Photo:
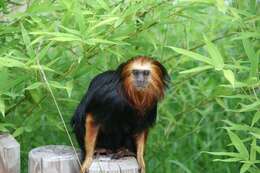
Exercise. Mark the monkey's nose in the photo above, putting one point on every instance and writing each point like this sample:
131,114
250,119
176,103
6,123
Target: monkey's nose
141,83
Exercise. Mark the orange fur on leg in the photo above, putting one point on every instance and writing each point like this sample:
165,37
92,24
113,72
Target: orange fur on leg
140,146
90,141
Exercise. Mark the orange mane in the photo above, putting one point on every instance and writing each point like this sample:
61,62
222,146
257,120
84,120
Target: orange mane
143,99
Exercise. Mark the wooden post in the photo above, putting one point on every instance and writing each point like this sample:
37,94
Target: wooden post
53,159
9,154
61,159
104,164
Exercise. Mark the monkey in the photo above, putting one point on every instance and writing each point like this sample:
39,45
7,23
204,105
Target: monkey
119,108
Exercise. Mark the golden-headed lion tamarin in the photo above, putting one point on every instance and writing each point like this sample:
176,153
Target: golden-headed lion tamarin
118,109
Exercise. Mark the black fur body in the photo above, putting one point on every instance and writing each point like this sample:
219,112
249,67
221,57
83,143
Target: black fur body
118,120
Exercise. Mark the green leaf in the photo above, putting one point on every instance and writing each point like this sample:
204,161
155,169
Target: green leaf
79,18
44,68
245,167
2,107
251,107
192,55
228,160
252,150
221,5
256,135
251,54
104,22
27,41
10,62
216,57
257,148
246,35
18,132
231,154
34,86
59,36
197,69
240,127
94,41
3,128
255,118
239,145
229,75
56,84
103,4
44,50
69,86
182,166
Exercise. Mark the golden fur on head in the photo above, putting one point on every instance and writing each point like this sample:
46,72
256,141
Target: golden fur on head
143,99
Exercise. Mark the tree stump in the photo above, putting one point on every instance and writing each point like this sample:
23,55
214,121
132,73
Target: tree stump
53,159
9,154
61,159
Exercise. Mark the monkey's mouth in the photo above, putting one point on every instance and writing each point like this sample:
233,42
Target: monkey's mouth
141,85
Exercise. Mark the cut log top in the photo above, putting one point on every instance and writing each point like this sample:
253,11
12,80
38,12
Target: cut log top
7,141
9,154
53,152
108,165
62,159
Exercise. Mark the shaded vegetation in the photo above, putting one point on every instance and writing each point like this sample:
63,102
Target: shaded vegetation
210,47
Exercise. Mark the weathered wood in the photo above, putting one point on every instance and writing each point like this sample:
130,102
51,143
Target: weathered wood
61,159
9,154
104,164
53,159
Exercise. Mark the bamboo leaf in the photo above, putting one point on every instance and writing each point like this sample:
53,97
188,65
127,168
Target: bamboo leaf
34,86
256,135
245,167
105,22
229,75
69,86
231,154
253,150
10,62
197,69
256,118
182,166
251,107
2,107
251,54
246,35
217,59
236,141
18,132
27,41
94,41
103,4
228,160
192,55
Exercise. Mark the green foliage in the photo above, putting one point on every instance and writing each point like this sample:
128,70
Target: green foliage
210,48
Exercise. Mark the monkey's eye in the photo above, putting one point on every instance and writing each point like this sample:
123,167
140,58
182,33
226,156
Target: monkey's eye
135,72
146,72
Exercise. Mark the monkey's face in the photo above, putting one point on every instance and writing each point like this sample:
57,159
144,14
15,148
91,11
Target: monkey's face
144,81
141,75
141,78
